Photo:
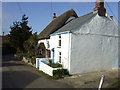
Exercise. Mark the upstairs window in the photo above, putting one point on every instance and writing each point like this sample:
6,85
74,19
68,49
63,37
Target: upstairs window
59,41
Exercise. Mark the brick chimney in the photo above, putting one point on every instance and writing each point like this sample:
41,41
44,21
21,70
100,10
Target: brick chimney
99,6
54,16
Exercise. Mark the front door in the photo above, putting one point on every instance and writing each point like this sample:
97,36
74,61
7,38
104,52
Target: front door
53,55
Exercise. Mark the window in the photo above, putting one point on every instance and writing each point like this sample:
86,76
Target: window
59,40
59,36
59,57
48,44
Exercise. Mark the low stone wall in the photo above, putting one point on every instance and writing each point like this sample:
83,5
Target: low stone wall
26,61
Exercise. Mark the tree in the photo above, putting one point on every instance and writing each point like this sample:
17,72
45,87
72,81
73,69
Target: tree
20,32
6,46
30,44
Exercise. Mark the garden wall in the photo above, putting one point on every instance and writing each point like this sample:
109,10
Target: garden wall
44,67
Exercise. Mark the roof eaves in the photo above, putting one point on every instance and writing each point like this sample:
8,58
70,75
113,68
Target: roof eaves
80,20
60,33
57,23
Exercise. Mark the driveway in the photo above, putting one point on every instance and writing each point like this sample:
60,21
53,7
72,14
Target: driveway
16,74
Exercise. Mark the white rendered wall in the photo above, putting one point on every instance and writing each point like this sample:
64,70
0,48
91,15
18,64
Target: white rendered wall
94,46
45,41
65,50
54,42
45,68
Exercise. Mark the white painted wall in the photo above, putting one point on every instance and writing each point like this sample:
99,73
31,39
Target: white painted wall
64,49
94,46
54,44
46,69
46,42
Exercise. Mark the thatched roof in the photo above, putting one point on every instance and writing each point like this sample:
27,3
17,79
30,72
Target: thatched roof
56,24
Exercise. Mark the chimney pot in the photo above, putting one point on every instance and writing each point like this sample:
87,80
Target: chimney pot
54,16
100,7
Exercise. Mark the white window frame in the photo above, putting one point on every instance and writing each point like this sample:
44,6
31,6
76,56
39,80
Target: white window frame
59,41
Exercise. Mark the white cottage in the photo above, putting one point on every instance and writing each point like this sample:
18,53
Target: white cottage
83,44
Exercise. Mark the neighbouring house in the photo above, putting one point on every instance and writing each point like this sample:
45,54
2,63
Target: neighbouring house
82,44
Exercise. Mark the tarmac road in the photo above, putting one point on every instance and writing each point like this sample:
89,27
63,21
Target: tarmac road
16,74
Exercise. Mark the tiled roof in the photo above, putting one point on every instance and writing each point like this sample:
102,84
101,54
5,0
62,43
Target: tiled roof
74,24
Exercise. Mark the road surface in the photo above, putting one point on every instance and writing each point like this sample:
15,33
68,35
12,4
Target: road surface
16,74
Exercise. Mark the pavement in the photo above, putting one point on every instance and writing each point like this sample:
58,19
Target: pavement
16,74
92,80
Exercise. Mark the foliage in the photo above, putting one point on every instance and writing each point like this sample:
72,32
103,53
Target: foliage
115,84
27,55
55,65
7,49
50,61
20,32
60,72
46,75
32,60
6,46
30,44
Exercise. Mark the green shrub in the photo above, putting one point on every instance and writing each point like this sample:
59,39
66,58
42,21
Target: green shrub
19,54
50,61
33,61
27,55
60,72
55,65
7,49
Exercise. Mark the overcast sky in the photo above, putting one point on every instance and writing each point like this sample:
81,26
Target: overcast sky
40,13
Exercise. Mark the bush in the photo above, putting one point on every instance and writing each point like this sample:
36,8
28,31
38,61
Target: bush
7,49
60,72
27,55
55,65
19,54
30,58
50,61
33,61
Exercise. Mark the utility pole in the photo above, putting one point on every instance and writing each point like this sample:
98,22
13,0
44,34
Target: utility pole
101,82
3,33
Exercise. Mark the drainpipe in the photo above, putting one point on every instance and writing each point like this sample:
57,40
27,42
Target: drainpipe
69,52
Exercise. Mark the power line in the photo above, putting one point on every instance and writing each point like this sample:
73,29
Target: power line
20,9
113,13
51,8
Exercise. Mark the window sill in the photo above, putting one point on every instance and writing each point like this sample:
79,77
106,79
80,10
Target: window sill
59,47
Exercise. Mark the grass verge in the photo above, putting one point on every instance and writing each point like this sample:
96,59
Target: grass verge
115,85
49,77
